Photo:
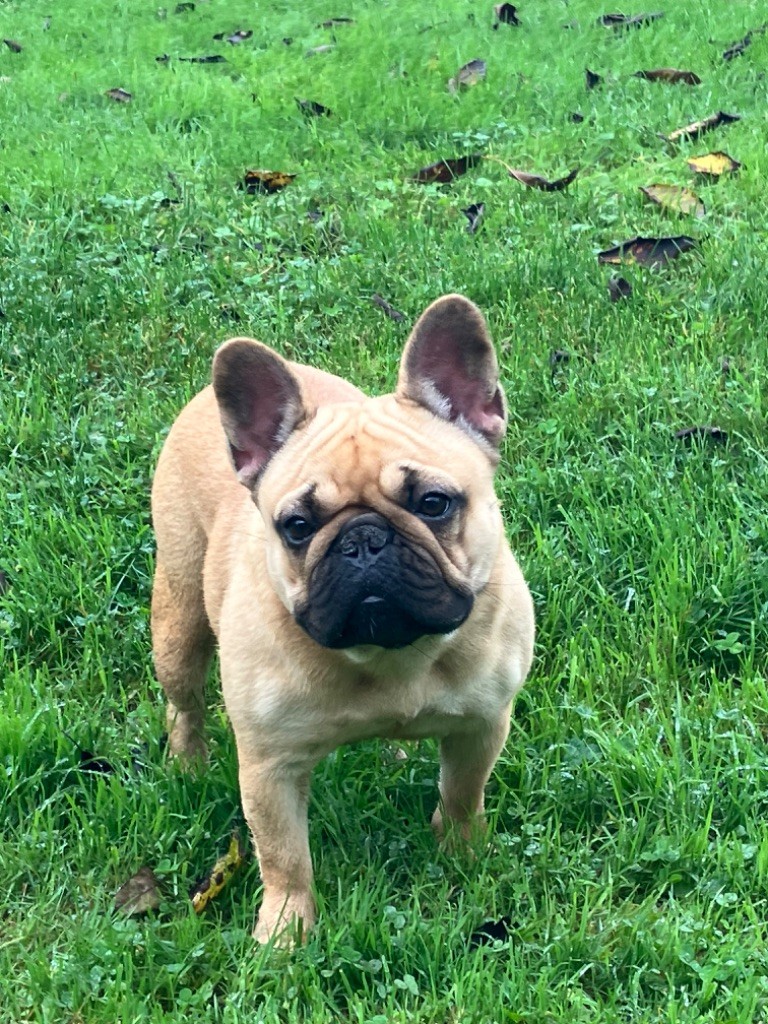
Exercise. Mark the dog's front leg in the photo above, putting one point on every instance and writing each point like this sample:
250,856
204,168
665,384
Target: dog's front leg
466,762
275,797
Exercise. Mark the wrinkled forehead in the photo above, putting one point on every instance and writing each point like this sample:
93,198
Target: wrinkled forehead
356,454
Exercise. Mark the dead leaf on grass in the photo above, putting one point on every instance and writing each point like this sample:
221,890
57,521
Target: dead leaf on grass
675,198
713,164
669,75
333,22
474,215
445,171
491,931
265,181
4,584
576,117
697,128
13,45
119,95
622,21
619,288
468,75
214,58
209,887
184,8
392,313
312,109
506,14
592,79
648,252
234,37
702,433
139,894
736,49
536,181
326,48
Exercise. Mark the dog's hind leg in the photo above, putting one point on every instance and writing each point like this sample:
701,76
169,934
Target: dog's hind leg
183,644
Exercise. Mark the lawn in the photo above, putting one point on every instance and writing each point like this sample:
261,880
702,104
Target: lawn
627,859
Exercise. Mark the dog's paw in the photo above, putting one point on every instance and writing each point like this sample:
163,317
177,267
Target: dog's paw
467,837
285,920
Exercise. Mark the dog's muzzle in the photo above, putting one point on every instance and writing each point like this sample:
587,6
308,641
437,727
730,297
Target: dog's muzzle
374,587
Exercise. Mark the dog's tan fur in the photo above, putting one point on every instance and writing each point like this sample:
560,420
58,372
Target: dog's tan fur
223,574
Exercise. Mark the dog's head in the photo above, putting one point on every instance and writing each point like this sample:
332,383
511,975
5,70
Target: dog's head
381,520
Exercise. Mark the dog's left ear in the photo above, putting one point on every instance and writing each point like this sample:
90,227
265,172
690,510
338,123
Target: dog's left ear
260,402
449,365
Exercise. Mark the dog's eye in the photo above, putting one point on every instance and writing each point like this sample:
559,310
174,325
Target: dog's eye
434,505
296,530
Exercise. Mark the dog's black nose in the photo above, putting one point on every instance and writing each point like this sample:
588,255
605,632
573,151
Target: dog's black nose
363,538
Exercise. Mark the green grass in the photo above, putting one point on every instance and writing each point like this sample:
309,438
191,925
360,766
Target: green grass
628,844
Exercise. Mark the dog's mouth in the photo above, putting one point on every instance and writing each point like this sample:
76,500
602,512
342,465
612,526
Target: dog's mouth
374,589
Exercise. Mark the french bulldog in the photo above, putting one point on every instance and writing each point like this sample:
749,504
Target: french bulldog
348,556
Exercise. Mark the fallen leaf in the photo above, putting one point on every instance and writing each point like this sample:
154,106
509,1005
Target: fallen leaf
593,79
333,22
392,313
697,128
90,763
576,117
13,45
506,14
139,894
468,75
215,58
716,434
675,198
164,58
210,886
474,215
183,8
736,49
235,37
266,181
4,584
648,252
620,21
670,75
713,164
312,109
326,48
619,288
119,95
445,171
46,23
535,181
491,931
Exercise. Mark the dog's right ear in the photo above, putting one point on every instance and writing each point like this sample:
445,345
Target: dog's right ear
260,403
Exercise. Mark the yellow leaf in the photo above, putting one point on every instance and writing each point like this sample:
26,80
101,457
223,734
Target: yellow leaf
713,164
221,873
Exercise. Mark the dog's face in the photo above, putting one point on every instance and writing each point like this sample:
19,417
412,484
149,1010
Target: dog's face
380,515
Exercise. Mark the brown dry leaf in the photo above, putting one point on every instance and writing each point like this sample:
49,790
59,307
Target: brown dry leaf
333,22
716,434
675,198
234,37
713,164
535,181
621,21
736,49
697,128
506,14
312,109
592,79
265,181
392,313
210,885
648,252
468,75
445,171
215,58
670,75
119,95
139,894
184,8
13,45
474,215
619,288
